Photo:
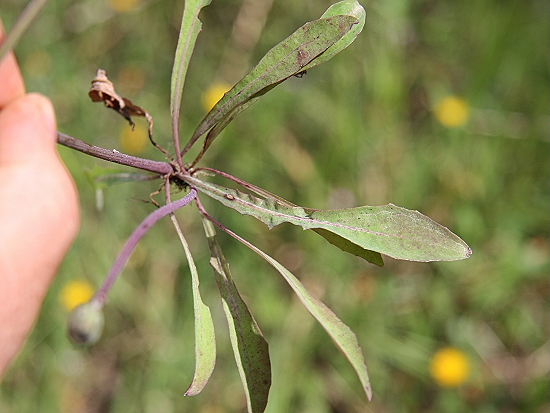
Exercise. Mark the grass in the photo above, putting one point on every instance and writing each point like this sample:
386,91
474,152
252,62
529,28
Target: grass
358,130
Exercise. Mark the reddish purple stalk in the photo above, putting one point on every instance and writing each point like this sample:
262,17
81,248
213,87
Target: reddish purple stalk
136,236
162,168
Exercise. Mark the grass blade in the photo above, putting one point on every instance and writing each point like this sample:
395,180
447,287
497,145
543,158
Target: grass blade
27,17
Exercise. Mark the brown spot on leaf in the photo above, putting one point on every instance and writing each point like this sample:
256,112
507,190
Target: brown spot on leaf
303,57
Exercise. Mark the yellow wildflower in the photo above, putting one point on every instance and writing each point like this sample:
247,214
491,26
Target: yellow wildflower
133,141
76,292
213,94
452,111
123,6
449,367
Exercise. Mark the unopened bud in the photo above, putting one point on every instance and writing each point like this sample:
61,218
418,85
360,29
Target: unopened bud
86,323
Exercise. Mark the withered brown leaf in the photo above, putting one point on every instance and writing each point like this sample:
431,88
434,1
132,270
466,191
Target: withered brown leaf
103,90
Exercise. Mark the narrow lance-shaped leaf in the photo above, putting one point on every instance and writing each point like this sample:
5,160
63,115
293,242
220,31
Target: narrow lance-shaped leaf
346,7
205,339
344,338
388,229
282,61
249,346
338,241
341,334
189,31
220,126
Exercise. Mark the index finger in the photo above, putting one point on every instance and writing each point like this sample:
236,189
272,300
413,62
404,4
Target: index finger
13,85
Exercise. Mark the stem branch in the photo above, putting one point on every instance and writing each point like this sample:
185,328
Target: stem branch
136,236
162,168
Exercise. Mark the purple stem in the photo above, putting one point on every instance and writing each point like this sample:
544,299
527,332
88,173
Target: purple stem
162,168
138,233
224,228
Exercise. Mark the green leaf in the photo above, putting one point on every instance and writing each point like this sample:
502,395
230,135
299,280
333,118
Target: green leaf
205,339
249,346
102,178
348,246
286,59
346,7
395,231
189,31
282,61
226,120
344,338
388,229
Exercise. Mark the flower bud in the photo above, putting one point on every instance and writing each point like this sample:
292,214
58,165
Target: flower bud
86,323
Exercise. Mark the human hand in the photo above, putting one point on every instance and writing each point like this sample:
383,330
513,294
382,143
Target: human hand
39,209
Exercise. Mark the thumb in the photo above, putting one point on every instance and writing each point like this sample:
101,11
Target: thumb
38,215
27,131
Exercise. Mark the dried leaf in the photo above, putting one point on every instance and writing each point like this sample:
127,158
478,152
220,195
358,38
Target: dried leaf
103,90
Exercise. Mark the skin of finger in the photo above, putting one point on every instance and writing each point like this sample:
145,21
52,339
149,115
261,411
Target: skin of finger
20,122
39,216
11,79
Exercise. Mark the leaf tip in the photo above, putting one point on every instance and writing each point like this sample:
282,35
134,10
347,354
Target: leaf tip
191,392
368,391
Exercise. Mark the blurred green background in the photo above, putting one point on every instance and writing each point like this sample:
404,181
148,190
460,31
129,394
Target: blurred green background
368,127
